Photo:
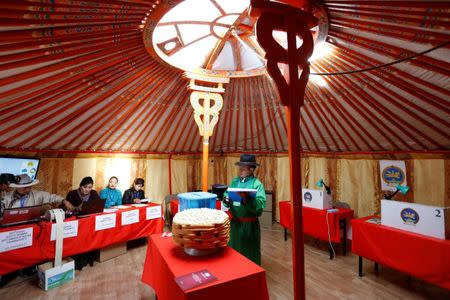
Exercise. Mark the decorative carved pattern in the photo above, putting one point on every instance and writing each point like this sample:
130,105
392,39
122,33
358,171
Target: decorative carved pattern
206,115
281,62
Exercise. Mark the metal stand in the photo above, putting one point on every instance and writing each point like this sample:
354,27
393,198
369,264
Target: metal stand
360,266
200,252
343,226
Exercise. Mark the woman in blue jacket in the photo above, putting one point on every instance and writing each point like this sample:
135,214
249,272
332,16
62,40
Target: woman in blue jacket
112,195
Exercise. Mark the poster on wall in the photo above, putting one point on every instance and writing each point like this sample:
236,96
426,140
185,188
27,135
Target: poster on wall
392,173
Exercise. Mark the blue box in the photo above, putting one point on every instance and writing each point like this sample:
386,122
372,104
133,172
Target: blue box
197,200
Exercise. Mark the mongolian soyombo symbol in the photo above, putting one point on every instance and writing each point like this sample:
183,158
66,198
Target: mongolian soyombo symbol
207,115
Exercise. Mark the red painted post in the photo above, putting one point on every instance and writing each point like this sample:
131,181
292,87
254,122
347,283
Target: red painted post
295,22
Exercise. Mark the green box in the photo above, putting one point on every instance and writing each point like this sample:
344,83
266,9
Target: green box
51,277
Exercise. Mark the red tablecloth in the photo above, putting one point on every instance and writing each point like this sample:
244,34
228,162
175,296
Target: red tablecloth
315,221
238,277
417,255
87,239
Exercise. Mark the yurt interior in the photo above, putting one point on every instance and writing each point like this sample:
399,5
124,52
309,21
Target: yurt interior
225,149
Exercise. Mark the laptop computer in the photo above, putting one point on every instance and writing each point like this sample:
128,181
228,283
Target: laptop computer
22,215
92,207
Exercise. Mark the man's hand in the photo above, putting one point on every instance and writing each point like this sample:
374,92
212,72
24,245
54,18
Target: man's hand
244,197
137,200
227,201
45,207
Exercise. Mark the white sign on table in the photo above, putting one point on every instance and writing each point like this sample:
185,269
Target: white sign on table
103,222
154,212
418,218
130,217
16,239
70,229
316,199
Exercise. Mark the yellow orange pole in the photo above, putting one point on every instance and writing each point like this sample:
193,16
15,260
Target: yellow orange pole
205,115
205,164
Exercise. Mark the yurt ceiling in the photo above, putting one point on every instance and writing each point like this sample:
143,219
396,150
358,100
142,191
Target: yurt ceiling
96,76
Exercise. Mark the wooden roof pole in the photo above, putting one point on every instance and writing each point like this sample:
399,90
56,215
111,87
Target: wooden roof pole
291,87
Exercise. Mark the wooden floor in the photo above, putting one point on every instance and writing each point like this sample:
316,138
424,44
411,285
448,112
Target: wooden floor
325,279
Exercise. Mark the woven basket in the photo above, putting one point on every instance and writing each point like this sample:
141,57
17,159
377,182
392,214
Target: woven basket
201,237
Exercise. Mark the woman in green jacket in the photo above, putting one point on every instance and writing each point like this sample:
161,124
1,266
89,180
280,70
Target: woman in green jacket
245,234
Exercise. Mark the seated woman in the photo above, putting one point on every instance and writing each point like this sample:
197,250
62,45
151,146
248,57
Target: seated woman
84,193
75,200
134,194
112,195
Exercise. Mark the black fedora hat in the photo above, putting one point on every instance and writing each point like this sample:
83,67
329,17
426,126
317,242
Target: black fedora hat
248,160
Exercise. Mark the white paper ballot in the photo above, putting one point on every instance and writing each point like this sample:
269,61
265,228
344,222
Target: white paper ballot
16,239
223,207
110,210
122,206
139,204
130,217
103,222
70,229
153,212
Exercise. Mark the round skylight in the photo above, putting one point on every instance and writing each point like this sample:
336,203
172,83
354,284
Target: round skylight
207,37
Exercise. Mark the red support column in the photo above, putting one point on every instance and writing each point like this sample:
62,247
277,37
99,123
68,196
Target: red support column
291,87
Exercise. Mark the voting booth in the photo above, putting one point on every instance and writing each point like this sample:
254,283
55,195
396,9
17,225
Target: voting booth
418,218
316,199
